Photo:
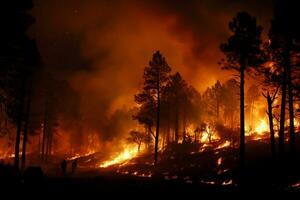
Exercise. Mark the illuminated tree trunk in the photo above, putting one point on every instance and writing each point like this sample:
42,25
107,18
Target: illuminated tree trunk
282,113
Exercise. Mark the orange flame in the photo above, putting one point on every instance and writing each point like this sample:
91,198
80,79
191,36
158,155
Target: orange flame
129,152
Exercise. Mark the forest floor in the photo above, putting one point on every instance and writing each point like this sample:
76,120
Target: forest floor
181,170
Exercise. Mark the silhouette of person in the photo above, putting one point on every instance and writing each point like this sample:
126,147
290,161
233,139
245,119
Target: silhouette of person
64,166
74,165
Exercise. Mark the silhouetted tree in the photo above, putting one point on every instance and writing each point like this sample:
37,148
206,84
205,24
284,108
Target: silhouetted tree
137,137
146,113
242,50
176,91
284,45
271,81
270,100
155,78
19,58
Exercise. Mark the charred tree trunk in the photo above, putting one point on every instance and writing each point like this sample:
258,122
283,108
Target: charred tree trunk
242,118
19,125
291,106
26,126
282,113
271,125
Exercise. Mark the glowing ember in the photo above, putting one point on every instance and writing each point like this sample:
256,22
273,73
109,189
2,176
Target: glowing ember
128,153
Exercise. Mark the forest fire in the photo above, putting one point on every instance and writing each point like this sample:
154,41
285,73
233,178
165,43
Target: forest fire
261,127
149,95
129,152
76,156
223,145
4,156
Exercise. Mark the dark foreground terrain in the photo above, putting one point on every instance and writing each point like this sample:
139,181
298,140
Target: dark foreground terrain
181,170
116,184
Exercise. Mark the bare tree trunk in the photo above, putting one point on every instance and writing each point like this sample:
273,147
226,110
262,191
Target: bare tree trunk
282,113
291,106
271,125
19,126
25,132
242,119
157,122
